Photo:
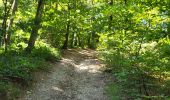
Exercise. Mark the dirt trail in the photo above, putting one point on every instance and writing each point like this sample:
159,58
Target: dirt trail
77,76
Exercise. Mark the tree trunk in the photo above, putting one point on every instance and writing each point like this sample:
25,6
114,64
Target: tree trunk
79,40
4,23
65,46
168,22
93,41
72,40
76,41
14,8
35,27
111,16
89,40
3,35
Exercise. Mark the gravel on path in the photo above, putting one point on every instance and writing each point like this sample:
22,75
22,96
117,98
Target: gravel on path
78,76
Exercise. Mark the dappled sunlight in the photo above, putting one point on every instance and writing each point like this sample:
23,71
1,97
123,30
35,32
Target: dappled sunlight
90,68
57,89
86,52
83,61
68,61
75,77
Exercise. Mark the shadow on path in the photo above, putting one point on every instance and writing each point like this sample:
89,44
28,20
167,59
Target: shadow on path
77,76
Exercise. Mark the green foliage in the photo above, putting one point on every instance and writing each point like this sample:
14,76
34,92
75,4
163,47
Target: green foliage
150,68
8,91
20,65
114,91
137,48
17,67
3,87
45,51
131,35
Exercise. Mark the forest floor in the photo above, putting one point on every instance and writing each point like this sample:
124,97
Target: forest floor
78,76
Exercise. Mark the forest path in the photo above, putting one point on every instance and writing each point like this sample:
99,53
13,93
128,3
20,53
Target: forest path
78,76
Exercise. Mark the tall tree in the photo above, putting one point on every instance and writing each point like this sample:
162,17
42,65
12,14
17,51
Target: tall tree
8,5
13,8
74,30
36,26
65,46
111,16
4,23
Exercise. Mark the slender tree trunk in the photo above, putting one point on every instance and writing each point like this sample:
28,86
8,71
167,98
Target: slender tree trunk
13,8
74,30
111,16
79,40
3,35
72,40
169,22
76,41
89,40
4,23
65,46
36,26
93,34
93,42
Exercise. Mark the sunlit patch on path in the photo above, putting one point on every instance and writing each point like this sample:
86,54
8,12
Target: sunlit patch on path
77,76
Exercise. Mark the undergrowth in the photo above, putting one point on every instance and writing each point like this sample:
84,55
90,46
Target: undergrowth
114,92
143,75
16,67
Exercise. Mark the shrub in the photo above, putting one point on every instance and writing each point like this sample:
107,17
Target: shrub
8,91
144,73
45,51
16,67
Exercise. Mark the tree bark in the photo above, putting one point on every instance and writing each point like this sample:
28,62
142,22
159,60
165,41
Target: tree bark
3,35
89,40
111,16
168,30
35,27
4,23
65,46
72,40
14,8
79,40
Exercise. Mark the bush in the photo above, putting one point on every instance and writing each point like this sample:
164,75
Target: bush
8,91
45,51
144,73
16,67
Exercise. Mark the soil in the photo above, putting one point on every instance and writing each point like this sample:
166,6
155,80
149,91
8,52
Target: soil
78,76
